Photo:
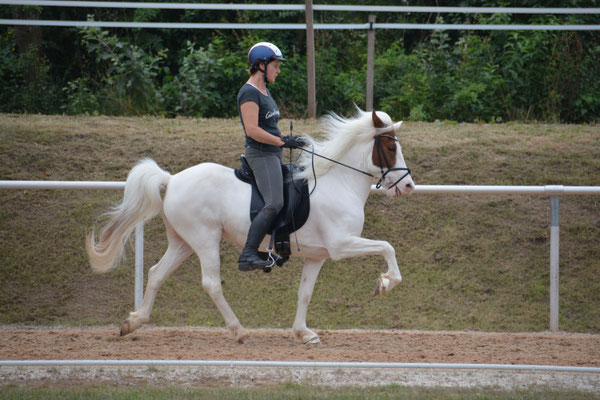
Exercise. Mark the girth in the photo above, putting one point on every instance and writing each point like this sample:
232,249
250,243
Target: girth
296,204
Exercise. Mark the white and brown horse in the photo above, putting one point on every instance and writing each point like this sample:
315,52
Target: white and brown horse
206,203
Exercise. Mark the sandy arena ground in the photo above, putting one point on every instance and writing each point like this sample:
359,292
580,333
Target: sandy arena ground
160,343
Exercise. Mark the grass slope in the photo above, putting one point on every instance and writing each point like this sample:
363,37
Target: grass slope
478,262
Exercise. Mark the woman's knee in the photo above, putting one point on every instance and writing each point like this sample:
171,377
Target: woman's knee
273,208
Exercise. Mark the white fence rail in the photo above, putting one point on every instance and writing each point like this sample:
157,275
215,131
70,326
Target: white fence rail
300,7
552,191
365,26
296,364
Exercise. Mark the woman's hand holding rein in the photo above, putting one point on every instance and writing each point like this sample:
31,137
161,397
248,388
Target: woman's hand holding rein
293,142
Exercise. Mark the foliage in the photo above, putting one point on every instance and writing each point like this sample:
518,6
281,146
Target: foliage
26,81
419,75
196,84
80,98
127,74
500,77
206,84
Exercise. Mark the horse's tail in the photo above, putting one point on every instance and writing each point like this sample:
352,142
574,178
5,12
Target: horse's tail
141,202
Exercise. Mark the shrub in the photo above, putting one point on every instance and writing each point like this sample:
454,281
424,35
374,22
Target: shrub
80,98
26,80
461,76
127,74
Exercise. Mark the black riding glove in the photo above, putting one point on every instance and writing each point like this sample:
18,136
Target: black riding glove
293,142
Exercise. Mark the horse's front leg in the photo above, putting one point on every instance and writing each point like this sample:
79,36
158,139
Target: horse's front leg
211,282
310,272
354,246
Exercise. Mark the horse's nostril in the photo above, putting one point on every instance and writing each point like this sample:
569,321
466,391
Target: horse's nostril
409,186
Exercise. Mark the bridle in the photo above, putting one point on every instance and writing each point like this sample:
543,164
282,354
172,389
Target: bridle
381,157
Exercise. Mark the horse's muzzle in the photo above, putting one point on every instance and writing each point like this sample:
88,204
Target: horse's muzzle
403,190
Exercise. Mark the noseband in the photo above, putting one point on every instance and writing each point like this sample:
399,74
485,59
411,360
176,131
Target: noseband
381,156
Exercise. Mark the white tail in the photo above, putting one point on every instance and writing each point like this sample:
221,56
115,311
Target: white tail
141,202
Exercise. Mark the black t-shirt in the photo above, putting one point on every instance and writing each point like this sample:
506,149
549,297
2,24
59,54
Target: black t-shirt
268,115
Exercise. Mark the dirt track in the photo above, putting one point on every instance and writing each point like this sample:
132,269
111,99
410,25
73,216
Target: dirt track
278,345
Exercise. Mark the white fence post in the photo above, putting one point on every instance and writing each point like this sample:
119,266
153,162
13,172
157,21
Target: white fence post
554,264
139,265
310,61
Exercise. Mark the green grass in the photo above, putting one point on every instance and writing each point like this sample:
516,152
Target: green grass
285,391
478,262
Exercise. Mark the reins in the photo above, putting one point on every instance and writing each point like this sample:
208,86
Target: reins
339,163
380,154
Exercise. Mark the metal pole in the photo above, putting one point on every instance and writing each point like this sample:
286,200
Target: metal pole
298,364
370,63
554,265
310,61
139,265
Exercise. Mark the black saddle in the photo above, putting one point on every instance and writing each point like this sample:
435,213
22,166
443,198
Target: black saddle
296,204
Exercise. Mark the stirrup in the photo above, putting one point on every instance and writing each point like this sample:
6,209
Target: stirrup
269,268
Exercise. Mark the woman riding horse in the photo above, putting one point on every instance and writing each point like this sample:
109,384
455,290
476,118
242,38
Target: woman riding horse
259,116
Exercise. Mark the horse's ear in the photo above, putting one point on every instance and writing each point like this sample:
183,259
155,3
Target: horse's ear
378,123
397,126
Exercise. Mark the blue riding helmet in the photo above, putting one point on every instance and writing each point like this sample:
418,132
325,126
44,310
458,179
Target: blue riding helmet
265,52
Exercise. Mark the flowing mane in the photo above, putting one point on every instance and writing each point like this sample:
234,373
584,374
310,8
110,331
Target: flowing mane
339,134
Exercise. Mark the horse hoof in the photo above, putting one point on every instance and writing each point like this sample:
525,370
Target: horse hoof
381,285
313,340
246,339
125,328
378,288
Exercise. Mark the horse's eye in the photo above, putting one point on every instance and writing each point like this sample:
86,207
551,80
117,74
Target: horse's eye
392,149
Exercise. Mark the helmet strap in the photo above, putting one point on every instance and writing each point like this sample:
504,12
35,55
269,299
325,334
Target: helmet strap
264,71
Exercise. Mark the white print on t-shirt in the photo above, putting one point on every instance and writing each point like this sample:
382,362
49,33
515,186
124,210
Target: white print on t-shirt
270,114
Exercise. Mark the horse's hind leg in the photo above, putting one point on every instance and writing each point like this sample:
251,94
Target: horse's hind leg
176,253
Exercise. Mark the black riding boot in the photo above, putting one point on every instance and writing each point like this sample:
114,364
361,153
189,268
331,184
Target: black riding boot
249,259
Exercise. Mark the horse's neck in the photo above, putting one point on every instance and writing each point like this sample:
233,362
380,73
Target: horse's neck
347,184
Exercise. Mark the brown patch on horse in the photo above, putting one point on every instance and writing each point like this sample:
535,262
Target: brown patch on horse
388,146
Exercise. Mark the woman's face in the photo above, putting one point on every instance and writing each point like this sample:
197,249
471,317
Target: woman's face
273,70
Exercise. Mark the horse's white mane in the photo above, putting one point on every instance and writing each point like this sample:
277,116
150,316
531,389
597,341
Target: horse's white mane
339,134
